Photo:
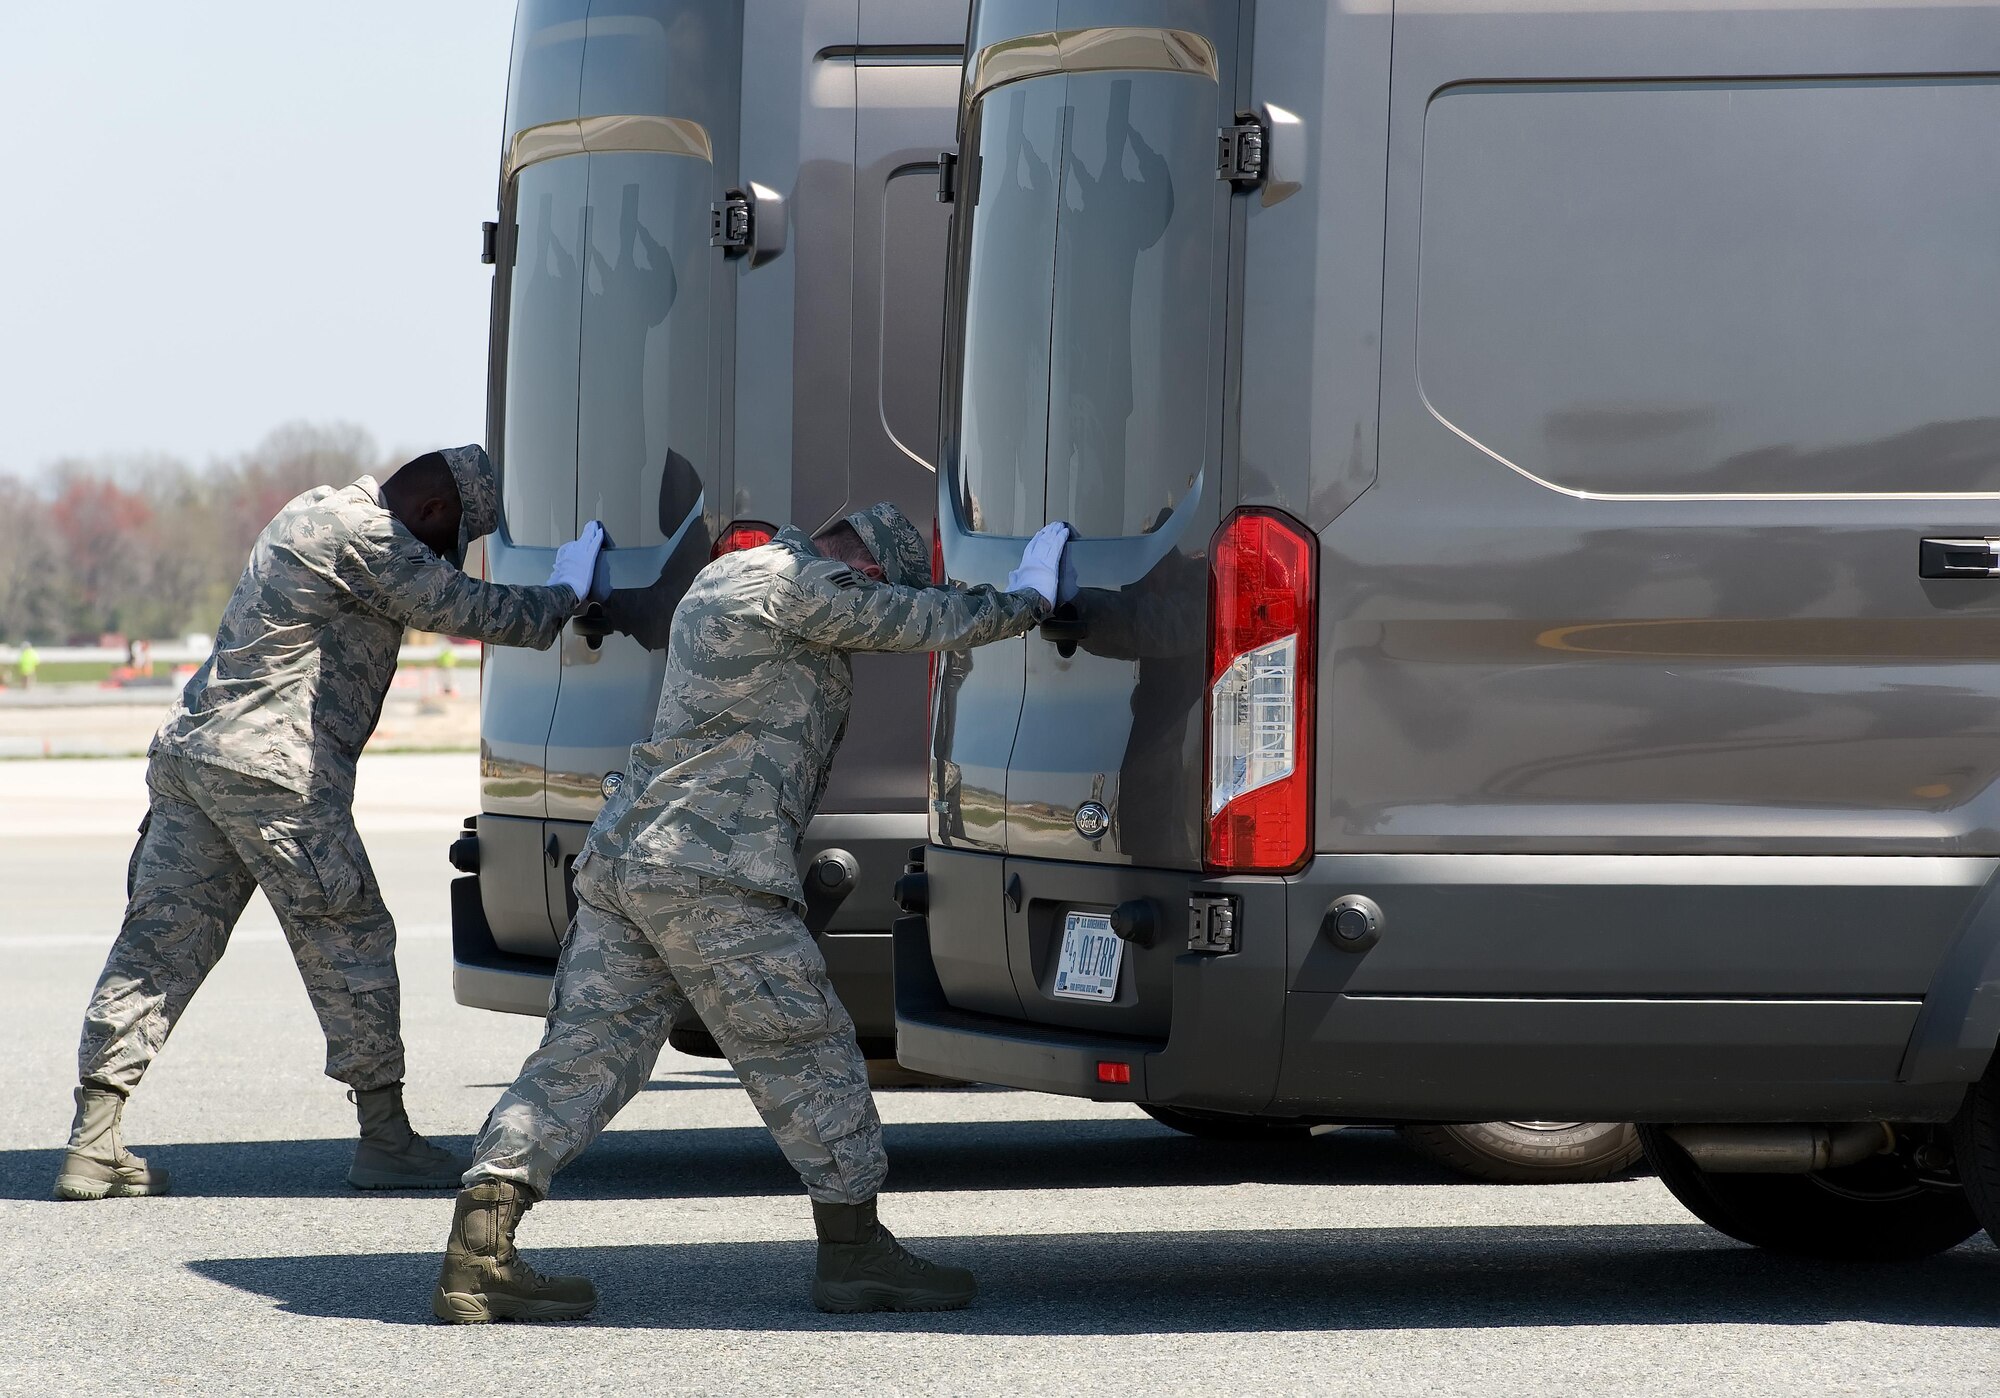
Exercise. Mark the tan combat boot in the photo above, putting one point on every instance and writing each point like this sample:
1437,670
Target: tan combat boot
98,1166
863,1268
390,1154
485,1279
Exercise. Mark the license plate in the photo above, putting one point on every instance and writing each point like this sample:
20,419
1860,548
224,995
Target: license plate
1091,956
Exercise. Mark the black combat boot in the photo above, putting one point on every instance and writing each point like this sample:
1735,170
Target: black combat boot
485,1279
390,1154
98,1166
863,1268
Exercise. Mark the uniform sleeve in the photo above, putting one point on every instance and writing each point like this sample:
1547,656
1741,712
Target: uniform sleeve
831,605
406,582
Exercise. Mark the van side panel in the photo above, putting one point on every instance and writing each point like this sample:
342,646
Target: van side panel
1529,660
1311,292
1687,342
935,25
895,340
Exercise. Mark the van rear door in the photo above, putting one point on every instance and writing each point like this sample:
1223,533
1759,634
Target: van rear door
611,400
1092,247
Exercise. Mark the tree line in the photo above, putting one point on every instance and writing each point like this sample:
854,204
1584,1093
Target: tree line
151,546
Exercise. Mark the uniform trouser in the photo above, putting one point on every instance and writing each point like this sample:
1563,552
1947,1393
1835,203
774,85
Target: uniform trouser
211,836
636,951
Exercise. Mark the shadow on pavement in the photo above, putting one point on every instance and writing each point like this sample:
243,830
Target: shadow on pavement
726,1078
1196,1282
731,1162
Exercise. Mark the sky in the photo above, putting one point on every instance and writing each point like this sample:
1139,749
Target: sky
222,215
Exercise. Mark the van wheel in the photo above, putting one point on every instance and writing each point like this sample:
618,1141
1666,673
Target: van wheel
1228,1126
1530,1152
1975,1140
1880,1210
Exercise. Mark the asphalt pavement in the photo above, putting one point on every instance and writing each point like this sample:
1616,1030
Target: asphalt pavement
1115,1256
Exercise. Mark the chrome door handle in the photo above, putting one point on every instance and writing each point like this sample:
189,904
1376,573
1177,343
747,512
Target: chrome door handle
1958,558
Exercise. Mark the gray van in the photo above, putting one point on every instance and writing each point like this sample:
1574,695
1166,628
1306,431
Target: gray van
1536,470
707,268
611,376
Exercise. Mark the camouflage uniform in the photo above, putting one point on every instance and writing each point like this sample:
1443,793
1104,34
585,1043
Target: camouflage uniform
688,888
252,774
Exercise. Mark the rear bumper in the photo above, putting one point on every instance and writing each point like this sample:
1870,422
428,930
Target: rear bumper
856,943
935,1038
485,977
1288,1027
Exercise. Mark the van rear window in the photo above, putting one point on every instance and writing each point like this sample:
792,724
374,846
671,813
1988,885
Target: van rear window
608,351
545,313
1779,287
1085,390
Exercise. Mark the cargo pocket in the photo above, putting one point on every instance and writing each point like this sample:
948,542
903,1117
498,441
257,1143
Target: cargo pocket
319,879
364,1038
369,979
774,997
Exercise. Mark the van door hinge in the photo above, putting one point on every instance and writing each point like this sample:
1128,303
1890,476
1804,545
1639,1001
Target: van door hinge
749,223
1211,923
489,242
732,225
1240,152
947,189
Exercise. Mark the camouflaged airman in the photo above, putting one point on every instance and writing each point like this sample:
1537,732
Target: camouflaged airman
252,783
688,893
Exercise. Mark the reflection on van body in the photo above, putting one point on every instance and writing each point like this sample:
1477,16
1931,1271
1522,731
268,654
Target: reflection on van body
1593,373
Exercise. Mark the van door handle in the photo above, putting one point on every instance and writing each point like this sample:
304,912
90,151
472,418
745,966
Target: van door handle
1065,626
1958,558
592,624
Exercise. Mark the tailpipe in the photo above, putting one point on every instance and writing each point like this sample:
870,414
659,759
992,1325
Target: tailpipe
1782,1149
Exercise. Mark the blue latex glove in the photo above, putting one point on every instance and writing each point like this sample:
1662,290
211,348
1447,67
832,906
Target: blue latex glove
576,561
1041,563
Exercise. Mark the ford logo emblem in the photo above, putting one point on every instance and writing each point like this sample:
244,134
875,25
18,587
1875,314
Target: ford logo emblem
609,786
1092,820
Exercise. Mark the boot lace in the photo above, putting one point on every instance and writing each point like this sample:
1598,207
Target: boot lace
507,1257
887,1240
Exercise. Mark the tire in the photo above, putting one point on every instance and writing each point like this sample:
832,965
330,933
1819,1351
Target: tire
1878,1211
1975,1141
1530,1152
1228,1126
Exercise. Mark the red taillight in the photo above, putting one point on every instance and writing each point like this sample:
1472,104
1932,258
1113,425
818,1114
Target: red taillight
1260,692
1108,1071
743,534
